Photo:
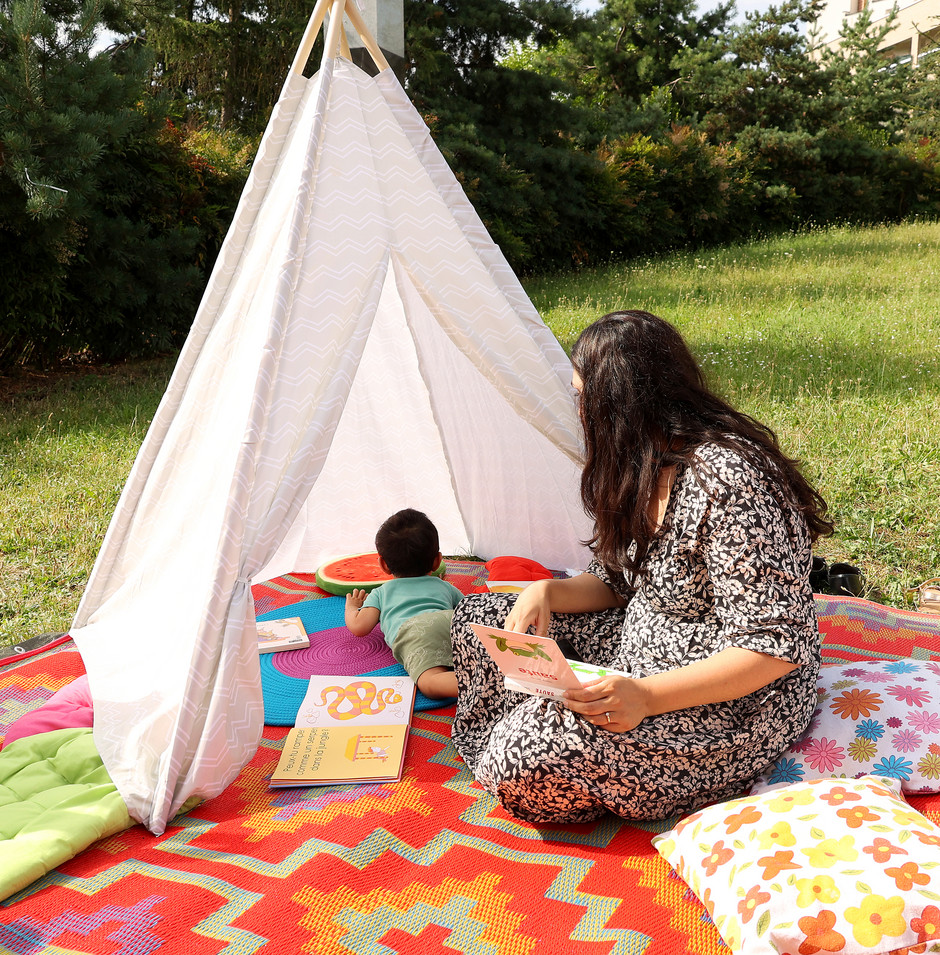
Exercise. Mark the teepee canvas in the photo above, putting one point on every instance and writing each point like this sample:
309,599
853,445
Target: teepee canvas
362,346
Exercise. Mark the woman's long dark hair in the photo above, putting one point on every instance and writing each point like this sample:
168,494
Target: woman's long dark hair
645,406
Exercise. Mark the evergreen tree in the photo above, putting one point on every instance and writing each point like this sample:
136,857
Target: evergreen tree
813,127
924,118
873,96
759,74
507,132
94,195
620,62
223,61
770,73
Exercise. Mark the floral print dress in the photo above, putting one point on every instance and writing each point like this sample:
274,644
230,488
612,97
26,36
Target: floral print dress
729,568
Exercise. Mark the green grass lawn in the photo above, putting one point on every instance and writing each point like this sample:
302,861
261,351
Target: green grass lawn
833,339
67,443
830,337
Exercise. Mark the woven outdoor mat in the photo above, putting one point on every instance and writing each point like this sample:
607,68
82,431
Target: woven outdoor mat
430,864
25,685
427,865
856,629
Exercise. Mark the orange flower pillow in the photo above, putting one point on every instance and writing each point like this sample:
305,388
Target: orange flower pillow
875,716
830,865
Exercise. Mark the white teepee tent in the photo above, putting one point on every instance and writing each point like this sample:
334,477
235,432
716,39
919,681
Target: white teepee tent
362,346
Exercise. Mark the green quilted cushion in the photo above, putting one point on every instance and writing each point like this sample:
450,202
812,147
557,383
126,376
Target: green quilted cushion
56,798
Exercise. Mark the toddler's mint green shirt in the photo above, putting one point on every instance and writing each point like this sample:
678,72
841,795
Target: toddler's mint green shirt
403,597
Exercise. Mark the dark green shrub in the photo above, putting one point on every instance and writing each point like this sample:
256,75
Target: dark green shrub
107,255
677,191
837,176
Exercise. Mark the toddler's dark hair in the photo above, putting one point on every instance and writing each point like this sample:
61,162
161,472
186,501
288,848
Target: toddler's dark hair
408,543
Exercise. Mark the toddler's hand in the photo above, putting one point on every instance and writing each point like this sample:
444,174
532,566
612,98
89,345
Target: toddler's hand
355,599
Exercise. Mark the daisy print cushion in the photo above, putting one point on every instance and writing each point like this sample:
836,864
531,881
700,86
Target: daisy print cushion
878,717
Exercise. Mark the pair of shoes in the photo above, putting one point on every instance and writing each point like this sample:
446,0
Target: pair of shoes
928,596
838,579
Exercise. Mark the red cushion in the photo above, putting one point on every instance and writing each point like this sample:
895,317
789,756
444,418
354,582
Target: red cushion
516,568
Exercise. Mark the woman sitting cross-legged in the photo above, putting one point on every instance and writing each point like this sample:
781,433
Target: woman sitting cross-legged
698,592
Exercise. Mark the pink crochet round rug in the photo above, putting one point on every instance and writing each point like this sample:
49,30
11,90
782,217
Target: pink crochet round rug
336,652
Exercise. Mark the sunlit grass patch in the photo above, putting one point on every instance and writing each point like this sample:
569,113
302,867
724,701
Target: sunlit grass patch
65,453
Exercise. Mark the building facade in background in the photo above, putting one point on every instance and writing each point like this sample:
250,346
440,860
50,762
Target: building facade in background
914,36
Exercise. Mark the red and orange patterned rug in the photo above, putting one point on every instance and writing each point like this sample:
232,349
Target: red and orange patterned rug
430,864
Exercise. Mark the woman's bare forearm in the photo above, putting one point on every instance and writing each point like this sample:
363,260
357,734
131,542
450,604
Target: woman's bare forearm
728,675
581,594
620,703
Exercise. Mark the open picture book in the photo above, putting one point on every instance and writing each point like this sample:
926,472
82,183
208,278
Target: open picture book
533,664
348,730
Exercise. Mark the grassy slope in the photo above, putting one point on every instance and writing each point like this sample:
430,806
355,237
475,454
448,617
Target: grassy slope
832,338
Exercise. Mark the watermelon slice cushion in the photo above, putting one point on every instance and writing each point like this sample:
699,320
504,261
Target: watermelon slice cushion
343,575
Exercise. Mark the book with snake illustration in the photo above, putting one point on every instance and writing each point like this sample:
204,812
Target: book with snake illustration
348,730
358,700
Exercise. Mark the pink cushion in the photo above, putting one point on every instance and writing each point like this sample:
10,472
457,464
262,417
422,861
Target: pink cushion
69,708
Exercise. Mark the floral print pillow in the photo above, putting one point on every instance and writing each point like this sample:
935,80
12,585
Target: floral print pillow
830,865
876,716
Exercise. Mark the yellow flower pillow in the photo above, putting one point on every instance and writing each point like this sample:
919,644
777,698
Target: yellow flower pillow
830,865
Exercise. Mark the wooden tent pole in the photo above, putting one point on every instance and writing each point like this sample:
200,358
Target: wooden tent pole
310,35
316,22
331,44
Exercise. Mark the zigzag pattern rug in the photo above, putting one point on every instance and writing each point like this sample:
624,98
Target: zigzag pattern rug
428,865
